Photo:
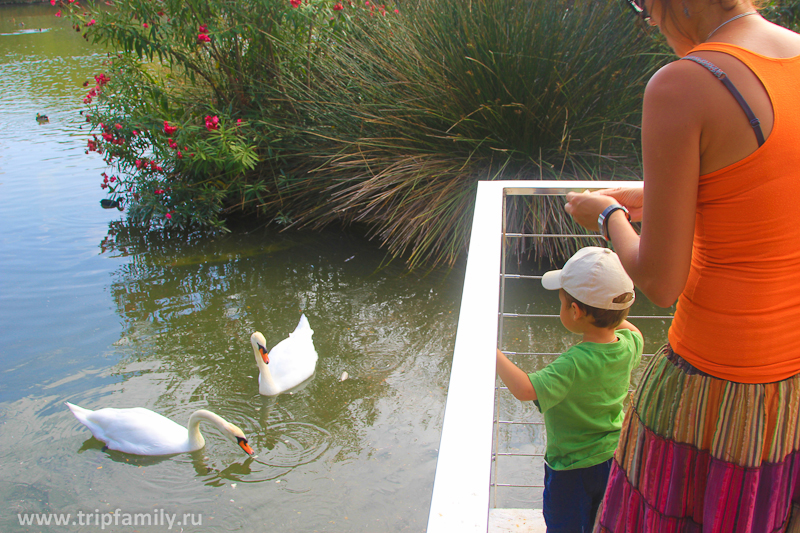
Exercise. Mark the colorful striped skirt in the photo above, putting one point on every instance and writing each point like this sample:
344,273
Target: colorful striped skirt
702,454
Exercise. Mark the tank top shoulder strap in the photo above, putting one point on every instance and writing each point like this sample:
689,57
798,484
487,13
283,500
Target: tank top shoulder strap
721,76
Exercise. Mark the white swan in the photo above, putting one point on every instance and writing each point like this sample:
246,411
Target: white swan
291,362
142,432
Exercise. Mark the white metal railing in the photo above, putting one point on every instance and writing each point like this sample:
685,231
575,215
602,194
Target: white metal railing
462,485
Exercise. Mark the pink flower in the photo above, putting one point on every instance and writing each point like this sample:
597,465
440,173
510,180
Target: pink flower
203,28
159,191
295,3
203,38
238,121
169,130
135,133
52,2
212,123
172,143
118,126
180,155
139,164
145,25
91,22
168,215
338,6
58,13
112,179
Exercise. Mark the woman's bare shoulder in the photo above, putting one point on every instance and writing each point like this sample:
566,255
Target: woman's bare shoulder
680,85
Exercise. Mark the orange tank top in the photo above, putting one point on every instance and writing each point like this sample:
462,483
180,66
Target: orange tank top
738,318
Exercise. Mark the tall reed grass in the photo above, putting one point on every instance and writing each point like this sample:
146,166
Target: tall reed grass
464,91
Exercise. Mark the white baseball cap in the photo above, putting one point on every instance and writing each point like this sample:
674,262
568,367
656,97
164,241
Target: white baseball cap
594,276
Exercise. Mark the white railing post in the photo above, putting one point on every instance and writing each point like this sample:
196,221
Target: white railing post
460,501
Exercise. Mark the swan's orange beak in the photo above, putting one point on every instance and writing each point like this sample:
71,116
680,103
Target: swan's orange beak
246,447
264,354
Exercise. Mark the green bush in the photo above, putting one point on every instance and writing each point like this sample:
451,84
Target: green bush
783,12
319,112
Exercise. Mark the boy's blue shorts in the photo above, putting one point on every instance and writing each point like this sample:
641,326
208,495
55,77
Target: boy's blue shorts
572,497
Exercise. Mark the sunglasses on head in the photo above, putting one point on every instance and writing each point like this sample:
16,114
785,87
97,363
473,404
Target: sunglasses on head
639,9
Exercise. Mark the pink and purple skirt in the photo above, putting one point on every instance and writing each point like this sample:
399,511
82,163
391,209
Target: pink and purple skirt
702,454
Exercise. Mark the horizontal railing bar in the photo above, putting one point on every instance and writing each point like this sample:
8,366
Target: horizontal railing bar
520,423
562,187
549,353
557,235
524,315
510,454
517,486
520,276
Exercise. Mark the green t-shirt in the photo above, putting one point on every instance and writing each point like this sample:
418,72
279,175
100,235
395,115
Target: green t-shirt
581,395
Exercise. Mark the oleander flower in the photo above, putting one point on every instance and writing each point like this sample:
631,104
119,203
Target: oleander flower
169,130
203,38
212,123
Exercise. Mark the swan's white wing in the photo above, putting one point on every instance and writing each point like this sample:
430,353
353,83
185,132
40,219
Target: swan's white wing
294,360
138,430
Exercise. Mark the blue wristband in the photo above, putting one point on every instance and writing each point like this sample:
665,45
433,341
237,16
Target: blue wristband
602,224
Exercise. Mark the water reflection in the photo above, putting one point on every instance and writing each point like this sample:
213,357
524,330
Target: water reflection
189,306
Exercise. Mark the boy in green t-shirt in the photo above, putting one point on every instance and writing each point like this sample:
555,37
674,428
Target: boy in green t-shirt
581,393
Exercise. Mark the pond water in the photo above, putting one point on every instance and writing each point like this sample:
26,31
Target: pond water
94,313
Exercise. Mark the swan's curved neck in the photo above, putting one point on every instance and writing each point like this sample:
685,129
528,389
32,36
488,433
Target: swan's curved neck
265,379
195,437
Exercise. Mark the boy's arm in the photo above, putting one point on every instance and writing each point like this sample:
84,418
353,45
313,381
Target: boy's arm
515,379
627,325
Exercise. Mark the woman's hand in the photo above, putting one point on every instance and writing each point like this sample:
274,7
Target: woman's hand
585,207
632,199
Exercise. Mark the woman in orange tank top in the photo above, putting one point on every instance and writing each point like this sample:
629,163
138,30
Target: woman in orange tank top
712,439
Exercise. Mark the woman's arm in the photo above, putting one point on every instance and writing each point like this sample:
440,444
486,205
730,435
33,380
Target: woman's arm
658,261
